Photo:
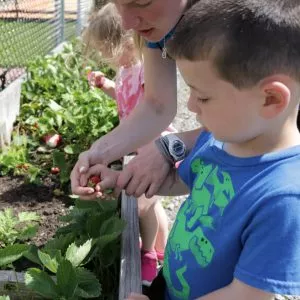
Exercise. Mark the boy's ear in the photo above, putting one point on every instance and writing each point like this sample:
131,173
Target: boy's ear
277,97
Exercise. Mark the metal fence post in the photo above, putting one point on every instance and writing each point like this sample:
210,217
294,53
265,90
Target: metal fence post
78,20
62,20
59,20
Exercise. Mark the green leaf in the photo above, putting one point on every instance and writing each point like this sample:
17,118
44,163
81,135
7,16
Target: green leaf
60,243
77,254
49,262
55,106
4,298
70,149
40,282
88,284
59,160
32,254
66,279
28,216
28,232
12,253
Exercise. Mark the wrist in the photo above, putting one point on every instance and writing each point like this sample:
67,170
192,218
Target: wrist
172,148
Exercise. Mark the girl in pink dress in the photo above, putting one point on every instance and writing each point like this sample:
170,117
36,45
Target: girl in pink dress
119,50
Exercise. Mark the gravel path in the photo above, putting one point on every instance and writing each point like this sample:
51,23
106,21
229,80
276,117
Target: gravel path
186,120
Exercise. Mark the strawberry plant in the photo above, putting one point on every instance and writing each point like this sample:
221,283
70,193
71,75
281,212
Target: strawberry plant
82,260
17,228
71,280
16,159
60,115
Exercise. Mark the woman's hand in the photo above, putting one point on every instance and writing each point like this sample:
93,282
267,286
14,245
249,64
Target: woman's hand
79,181
145,173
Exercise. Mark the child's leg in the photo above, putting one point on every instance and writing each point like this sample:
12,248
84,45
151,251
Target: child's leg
148,230
162,234
148,222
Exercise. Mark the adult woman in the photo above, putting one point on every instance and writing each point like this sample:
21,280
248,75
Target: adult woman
153,20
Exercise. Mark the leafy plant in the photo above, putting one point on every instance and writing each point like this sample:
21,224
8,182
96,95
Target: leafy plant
101,222
71,280
12,253
15,159
21,227
57,99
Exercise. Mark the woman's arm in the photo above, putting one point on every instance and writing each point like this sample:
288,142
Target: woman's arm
145,123
148,118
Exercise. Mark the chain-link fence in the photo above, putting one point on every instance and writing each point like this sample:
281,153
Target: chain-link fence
35,27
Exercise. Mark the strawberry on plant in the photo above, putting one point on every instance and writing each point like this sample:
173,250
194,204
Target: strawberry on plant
23,166
55,170
52,141
93,181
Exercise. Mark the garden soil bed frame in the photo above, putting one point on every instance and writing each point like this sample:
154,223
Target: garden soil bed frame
130,264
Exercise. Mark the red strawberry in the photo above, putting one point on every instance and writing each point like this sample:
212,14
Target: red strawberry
55,170
52,141
93,181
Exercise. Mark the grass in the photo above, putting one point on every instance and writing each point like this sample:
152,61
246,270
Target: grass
22,41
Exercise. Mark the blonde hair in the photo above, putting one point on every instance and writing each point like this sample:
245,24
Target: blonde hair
105,32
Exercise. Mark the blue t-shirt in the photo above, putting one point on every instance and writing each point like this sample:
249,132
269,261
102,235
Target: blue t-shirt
241,220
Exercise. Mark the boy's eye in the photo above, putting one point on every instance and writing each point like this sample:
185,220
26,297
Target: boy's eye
203,100
142,3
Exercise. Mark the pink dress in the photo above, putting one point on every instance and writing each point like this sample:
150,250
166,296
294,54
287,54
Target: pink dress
130,91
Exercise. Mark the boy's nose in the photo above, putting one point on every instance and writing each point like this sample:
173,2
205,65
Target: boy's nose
192,106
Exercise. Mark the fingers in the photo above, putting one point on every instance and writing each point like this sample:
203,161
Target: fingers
132,186
142,188
156,184
124,177
76,187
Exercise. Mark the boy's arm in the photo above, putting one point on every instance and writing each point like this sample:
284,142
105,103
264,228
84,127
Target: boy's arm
173,185
238,290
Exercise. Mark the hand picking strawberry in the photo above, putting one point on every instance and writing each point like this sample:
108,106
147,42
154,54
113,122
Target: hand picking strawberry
93,181
100,180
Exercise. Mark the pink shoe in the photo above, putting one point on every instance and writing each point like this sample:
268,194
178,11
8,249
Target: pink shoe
160,256
149,266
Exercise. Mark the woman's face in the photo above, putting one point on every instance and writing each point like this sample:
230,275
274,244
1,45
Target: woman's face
152,19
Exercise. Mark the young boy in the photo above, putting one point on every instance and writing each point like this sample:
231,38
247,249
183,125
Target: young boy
237,235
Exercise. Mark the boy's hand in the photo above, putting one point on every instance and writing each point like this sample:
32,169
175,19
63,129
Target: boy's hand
96,79
134,296
108,179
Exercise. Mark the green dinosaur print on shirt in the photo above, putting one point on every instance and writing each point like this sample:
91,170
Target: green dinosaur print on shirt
187,233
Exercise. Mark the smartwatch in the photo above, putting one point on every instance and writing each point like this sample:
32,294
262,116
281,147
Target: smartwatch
171,147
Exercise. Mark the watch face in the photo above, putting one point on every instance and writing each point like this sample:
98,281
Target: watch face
178,148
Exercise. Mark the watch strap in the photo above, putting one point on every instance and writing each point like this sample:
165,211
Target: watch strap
163,149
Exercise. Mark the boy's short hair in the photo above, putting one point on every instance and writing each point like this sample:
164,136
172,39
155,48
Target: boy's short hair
247,40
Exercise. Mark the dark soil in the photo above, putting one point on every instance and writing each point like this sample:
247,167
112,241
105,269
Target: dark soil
22,196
